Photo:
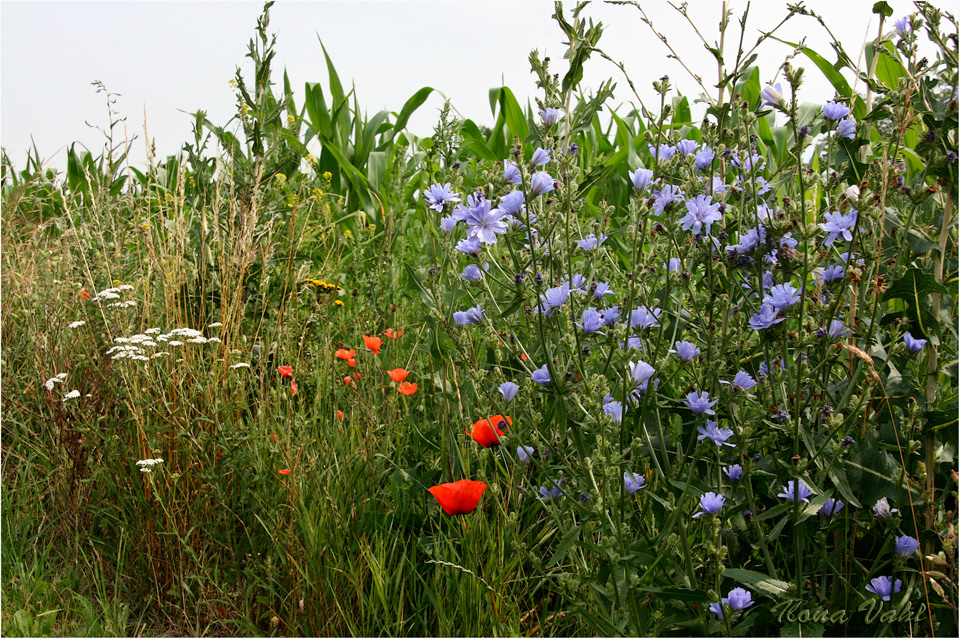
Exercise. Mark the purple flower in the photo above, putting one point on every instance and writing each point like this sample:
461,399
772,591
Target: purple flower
836,330
673,265
550,116
541,183
447,224
704,158
736,600
641,372
614,410
511,172
795,491
640,317
541,375
718,436
781,296
524,453
553,493
484,223
633,482
508,390
437,195
577,281
710,503
914,345
831,507
734,472
702,212
470,246
470,316
592,242
747,164
838,225
665,196
472,273
686,350
832,273
903,26
700,403
512,202
686,147
540,157
883,510
592,321
602,289
557,296
640,178
663,152
907,546
610,315
835,111
765,318
772,95
884,587
847,129
741,381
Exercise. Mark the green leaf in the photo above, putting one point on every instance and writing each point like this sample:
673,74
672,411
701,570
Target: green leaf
513,114
882,9
913,288
760,582
411,105
563,547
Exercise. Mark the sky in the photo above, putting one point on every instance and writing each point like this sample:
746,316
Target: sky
169,59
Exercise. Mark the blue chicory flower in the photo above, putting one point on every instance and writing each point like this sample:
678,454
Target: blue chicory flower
541,183
602,289
772,95
470,246
610,315
541,375
592,321
903,26
736,600
550,116
883,510
718,436
782,296
557,296
485,223
511,173
592,242
704,158
669,193
553,493
614,410
540,157
914,345
686,147
447,224
884,587
472,273
796,490
835,111
633,482
831,507
741,381
686,350
907,546
847,129
702,212
437,195
710,504
508,390
838,225
641,178
734,472
765,318
524,453
512,202
700,403
641,317
663,152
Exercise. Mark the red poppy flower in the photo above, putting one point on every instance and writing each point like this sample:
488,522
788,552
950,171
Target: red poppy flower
398,374
356,376
351,362
460,497
347,380
340,415
286,371
344,354
85,294
407,388
293,387
487,433
284,472
392,334
523,356
373,343
273,438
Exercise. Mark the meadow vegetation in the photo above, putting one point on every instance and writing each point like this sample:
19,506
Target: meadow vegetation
695,377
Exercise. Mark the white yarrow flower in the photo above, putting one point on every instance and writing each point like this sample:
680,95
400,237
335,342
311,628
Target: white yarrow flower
241,365
76,324
152,331
215,325
174,342
71,395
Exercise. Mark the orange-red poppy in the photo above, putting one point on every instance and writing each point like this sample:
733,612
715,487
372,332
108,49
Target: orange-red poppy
351,362
347,380
407,388
460,497
356,376
293,387
85,294
345,355
487,433
373,343
340,415
392,334
523,356
286,371
273,438
398,374
284,472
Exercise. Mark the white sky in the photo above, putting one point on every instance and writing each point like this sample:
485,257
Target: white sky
168,57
